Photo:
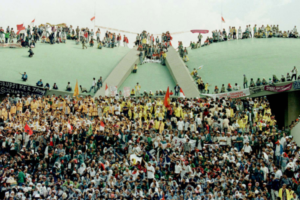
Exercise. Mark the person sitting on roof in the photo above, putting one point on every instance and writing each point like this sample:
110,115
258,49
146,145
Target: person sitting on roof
39,83
69,87
135,68
30,53
24,76
91,42
194,73
132,93
100,45
55,87
83,89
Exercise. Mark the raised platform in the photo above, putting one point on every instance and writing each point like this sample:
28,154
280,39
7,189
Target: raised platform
60,64
180,73
120,72
227,62
224,63
150,76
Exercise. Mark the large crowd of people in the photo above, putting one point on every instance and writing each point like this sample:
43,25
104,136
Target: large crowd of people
55,147
204,87
150,47
233,34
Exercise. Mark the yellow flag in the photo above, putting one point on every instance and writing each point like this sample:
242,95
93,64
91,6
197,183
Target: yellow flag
76,90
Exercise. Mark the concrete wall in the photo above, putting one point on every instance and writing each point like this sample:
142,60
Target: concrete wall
293,106
181,74
120,72
63,93
296,134
285,106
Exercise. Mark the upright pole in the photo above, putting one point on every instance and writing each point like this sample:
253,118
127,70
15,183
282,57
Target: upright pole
221,13
95,16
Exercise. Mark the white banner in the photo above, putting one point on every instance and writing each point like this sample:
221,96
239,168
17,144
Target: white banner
151,61
233,95
134,159
126,92
113,91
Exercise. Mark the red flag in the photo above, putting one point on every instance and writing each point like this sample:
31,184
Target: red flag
167,99
181,93
106,90
92,18
223,20
33,21
20,27
101,126
70,127
28,130
294,180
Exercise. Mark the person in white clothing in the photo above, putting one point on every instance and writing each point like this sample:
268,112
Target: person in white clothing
150,173
93,85
178,169
180,124
278,173
265,170
294,73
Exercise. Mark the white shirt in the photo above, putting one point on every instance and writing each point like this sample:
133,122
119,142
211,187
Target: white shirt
150,172
266,171
278,174
225,123
198,120
94,83
247,149
222,138
178,169
180,125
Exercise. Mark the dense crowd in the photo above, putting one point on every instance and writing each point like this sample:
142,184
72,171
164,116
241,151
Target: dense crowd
153,49
233,34
204,87
57,147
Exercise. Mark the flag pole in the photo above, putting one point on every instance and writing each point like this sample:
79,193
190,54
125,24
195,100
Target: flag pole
221,13
95,16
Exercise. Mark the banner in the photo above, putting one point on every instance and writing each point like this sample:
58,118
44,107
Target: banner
200,31
279,88
233,95
134,159
256,89
59,25
15,88
296,85
113,91
151,61
7,45
126,92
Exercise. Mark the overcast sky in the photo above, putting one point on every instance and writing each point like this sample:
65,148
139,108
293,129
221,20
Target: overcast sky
155,16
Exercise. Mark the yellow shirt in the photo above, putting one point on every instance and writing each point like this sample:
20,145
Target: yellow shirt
137,88
178,112
19,106
206,86
13,110
241,123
